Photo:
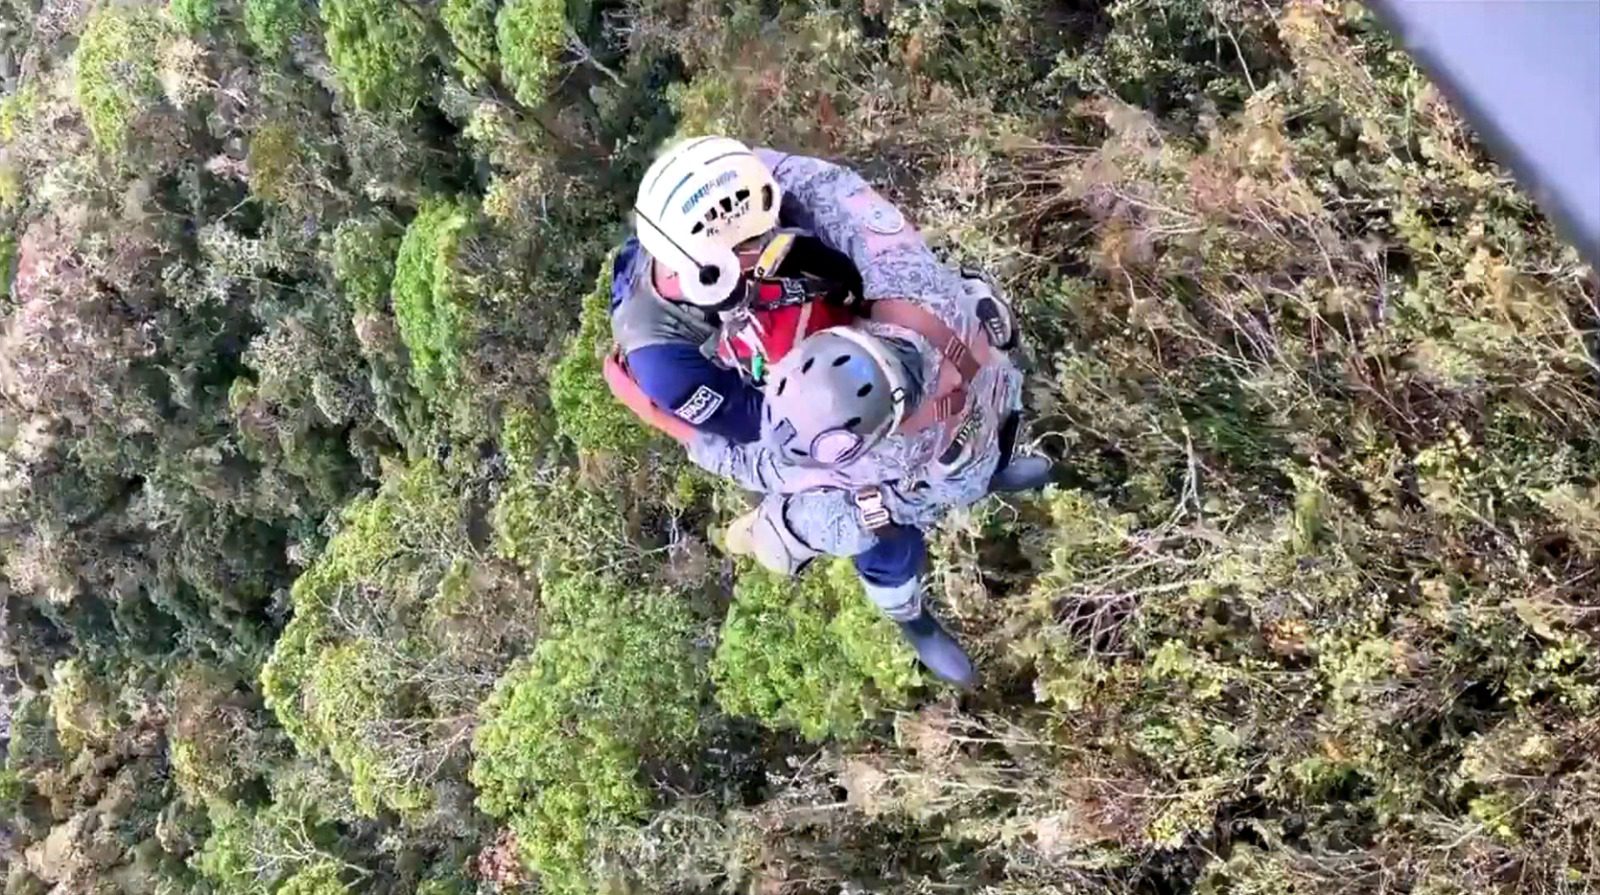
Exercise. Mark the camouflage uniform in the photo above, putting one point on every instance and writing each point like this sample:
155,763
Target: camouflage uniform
919,475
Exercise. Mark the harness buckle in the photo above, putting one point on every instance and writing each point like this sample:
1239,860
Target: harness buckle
869,501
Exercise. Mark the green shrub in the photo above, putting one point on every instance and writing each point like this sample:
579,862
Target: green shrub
426,294
83,705
470,24
194,16
704,106
318,879
116,64
12,790
16,110
522,439
363,260
272,24
352,688
8,264
531,35
998,47
811,654
334,679
585,410
558,524
275,159
379,53
196,777
249,850
224,857
11,192
1159,53
615,680
220,745
33,740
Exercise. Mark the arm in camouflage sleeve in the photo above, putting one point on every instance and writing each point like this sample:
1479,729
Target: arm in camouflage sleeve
758,468
816,505
754,467
823,513
848,215
827,520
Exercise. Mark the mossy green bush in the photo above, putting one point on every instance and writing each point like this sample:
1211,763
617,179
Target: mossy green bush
193,16
117,78
471,26
613,683
12,790
585,410
379,53
318,879
531,35
272,24
352,687
276,157
8,264
261,850
1158,53
335,679
428,295
363,261
555,522
810,654
16,109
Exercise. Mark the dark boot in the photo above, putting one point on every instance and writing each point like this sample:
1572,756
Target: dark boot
939,652
1025,473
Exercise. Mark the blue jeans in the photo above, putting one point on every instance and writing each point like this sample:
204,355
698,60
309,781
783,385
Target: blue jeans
890,570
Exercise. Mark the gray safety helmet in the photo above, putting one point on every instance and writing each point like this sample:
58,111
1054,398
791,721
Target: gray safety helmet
832,398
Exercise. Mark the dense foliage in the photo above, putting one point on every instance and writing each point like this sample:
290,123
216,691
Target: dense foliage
328,566
812,654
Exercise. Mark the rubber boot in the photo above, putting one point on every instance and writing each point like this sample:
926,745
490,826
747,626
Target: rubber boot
939,652
1024,473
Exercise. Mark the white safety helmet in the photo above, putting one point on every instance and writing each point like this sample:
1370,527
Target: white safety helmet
832,398
698,201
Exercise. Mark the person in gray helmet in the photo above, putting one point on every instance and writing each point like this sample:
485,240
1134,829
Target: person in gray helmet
870,433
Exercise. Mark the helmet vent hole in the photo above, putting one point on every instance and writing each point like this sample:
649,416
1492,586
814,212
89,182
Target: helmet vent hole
852,423
782,383
766,197
806,367
726,203
841,360
863,391
698,226
742,194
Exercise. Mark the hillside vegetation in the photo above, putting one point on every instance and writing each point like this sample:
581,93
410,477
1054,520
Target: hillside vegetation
328,567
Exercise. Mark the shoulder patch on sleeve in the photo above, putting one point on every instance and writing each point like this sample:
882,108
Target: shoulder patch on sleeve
884,219
700,406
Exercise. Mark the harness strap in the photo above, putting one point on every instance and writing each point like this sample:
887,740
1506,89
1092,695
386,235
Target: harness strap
959,364
944,409
926,324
